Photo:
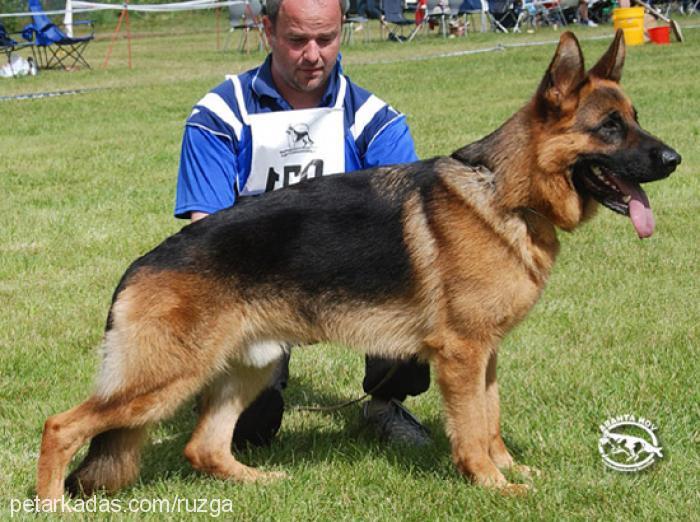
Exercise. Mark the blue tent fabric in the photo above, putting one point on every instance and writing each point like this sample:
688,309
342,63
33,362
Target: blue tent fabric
56,48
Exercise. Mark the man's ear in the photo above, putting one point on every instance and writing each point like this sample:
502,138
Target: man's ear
564,75
268,27
609,67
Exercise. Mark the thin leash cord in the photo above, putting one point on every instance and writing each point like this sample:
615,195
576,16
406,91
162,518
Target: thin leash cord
350,402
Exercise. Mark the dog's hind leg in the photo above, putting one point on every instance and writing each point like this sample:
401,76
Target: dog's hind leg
63,435
151,365
167,336
209,449
111,463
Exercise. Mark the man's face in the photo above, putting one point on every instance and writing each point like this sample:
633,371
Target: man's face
305,41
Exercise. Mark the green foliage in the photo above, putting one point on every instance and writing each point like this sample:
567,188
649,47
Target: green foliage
87,184
13,6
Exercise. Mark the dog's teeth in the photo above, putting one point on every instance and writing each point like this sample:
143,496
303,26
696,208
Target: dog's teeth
596,170
627,198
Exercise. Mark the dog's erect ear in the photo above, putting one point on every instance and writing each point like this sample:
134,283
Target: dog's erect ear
565,74
609,67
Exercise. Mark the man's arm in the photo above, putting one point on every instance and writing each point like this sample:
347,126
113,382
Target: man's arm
391,145
206,176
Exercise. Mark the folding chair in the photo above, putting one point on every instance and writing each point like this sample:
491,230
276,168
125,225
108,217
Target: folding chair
502,15
526,15
52,48
246,17
354,21
439,13
434,12
457,17
394,21
8,45
470,8
550,12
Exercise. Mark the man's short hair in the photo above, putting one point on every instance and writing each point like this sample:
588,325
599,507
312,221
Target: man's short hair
272,8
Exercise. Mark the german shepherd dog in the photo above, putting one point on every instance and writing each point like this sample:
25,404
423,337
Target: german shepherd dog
437,259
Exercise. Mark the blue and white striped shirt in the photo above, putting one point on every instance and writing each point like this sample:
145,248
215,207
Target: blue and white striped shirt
217,145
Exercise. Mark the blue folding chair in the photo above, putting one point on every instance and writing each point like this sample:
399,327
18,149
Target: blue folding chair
502,15
471,8
8,45
52,47
394,20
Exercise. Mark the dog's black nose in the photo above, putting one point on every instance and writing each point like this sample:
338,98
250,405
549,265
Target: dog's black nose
670,158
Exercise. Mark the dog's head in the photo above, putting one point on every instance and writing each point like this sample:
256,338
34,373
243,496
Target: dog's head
591,146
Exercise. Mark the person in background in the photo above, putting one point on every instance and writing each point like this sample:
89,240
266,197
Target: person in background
369,8
295,116
583,14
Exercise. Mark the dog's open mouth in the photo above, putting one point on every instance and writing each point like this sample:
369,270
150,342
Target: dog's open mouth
621,195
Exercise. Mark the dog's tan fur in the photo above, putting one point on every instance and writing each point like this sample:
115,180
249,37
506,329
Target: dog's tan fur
481,250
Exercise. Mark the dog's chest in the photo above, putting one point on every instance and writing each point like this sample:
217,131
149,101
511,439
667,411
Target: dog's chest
494,265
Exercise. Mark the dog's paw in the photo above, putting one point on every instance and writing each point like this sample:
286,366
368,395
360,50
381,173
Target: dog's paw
515,490
262,477
526,471
273,476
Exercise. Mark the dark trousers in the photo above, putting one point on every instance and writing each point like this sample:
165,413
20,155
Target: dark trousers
410,378
369,8
261,421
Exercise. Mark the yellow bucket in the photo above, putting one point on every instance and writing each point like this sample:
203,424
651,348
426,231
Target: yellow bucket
631,21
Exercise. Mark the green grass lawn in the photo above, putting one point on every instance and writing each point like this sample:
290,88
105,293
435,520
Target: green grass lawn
87,184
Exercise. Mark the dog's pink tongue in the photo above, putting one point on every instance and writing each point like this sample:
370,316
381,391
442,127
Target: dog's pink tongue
642,218
640,211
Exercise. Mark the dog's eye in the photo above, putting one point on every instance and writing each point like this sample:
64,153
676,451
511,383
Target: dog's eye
612,127
613,121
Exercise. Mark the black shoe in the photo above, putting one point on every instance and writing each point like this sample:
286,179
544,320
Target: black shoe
394,423
261,421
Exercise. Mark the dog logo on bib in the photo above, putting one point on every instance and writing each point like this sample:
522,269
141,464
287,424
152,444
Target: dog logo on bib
299,139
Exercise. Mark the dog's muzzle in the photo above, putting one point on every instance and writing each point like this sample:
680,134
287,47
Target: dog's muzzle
619,189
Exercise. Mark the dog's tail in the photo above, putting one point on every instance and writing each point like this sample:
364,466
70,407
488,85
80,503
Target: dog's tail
112,462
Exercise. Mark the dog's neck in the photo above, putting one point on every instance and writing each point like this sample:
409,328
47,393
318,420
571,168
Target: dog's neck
510,154
506,152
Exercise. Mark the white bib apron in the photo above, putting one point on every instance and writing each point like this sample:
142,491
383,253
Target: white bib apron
288,146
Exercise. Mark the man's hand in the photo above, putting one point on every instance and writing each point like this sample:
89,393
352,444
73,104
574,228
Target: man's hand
196,216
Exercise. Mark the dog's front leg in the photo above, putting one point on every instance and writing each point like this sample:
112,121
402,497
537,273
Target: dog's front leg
497,448
461,368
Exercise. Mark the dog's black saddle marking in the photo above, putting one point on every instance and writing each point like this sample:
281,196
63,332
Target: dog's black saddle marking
327,235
